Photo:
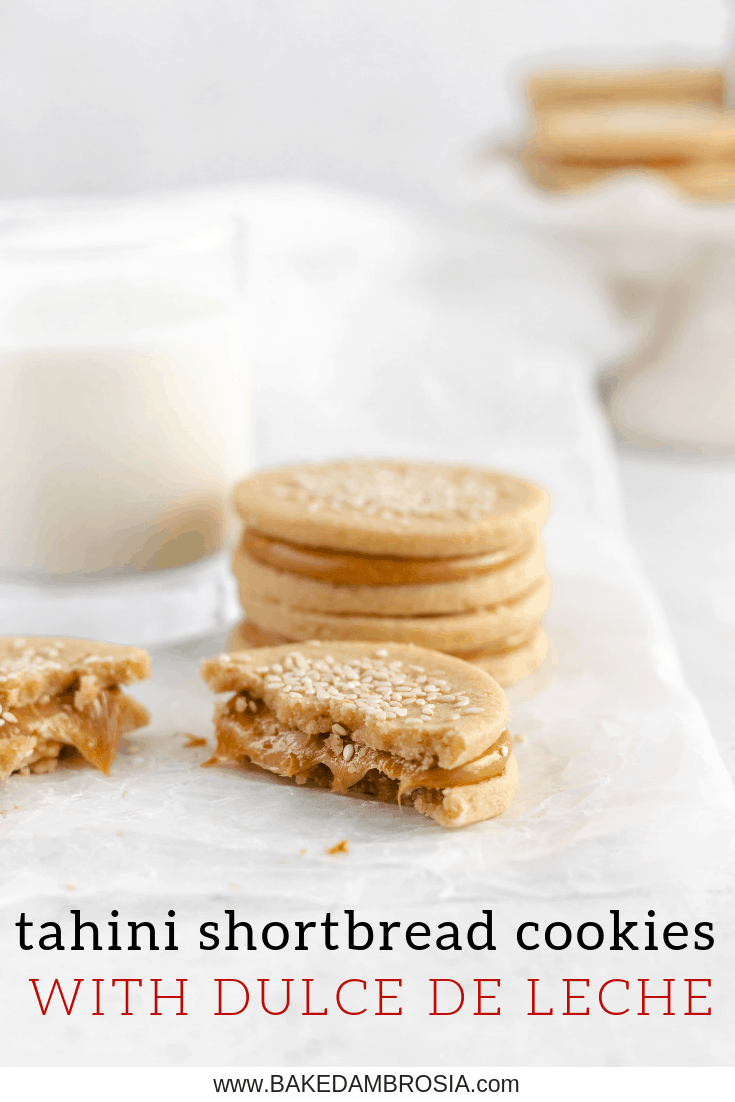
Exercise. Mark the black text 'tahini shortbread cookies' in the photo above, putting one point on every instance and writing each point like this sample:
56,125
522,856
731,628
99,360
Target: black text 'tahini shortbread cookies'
444,556
395,722
56,693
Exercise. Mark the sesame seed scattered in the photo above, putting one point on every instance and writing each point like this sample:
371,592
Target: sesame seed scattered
405,492
348,752
503,751
225,658
365,687
472,711
9,717
241,704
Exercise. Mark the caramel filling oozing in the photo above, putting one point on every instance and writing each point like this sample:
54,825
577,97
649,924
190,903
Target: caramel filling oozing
353,569
248,728
33,735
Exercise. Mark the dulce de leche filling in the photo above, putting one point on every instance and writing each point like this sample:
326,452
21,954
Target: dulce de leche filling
37,732
248,728
342,568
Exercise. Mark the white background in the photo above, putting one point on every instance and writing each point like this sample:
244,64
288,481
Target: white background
140,94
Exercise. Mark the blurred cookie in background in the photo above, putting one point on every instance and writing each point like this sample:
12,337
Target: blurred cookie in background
588,126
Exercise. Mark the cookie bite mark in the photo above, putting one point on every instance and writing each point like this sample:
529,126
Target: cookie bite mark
65,692
394,722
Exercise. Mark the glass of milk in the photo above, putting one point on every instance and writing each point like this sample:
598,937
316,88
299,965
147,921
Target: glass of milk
123,420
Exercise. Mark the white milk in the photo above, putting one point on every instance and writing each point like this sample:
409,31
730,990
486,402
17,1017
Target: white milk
118,450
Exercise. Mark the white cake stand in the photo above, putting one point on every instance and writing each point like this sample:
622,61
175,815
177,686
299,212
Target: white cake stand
668,262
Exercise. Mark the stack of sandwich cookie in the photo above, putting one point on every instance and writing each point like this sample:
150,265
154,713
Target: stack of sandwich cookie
590,124
447,557
65,692
396,722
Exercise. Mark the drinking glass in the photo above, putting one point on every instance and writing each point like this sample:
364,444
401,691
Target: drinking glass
123,420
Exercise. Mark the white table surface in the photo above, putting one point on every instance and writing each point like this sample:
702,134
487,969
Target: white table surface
682,522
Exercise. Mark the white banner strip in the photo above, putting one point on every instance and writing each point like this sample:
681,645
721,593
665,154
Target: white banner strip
605,1084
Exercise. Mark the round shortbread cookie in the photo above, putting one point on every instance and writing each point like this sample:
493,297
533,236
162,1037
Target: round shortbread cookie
646,133
417,704
567,87
451,632
341,568
258,582
392,507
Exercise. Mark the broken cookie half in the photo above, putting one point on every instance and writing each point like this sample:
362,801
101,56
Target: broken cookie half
393,721
65,692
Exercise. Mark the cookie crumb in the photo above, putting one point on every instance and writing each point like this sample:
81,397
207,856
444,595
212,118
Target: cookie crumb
70,887
125,792
340,847
193,740
302,852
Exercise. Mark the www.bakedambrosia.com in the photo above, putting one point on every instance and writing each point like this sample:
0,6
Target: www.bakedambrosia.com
241,990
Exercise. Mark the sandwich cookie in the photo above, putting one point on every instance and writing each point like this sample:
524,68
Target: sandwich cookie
636,133
396,722
569,87
491,587
65,692
443,556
